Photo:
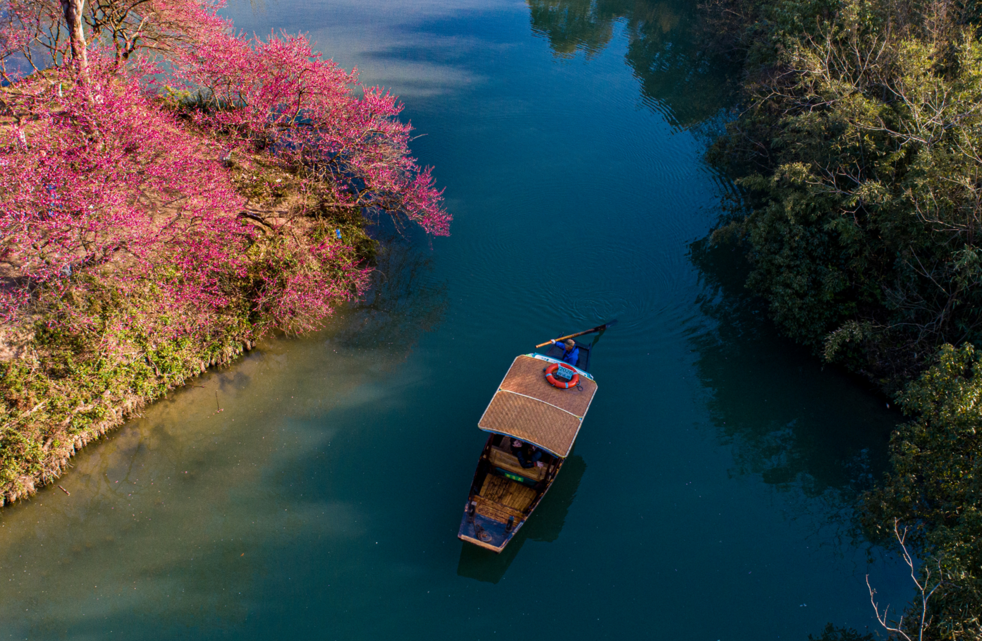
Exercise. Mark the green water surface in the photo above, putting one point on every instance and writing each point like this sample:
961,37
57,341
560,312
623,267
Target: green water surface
707,496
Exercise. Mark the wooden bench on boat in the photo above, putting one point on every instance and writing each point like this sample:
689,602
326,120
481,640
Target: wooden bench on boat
509,462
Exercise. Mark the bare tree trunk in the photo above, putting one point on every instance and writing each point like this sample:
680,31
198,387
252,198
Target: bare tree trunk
73,17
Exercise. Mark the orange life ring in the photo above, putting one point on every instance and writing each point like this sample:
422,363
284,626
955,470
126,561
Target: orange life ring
558,383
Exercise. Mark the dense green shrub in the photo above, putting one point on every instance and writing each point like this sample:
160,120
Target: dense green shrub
858,155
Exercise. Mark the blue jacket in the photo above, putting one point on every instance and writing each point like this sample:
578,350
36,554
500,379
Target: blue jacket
571,356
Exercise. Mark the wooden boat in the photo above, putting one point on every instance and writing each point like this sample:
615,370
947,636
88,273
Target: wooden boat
543,421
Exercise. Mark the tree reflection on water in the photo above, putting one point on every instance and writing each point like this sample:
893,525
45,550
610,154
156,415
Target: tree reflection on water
403,302
664,49
790,419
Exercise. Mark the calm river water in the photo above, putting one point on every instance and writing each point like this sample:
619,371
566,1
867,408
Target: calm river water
706,497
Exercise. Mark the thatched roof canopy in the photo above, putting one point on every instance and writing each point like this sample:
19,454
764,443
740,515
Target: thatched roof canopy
527,407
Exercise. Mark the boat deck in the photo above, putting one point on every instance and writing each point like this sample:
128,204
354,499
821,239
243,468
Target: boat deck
507,493
495,511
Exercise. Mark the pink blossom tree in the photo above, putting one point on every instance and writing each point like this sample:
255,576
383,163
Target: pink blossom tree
144,195
108,189
149,208
281,95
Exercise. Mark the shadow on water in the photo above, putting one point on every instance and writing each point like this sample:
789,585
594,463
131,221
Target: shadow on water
676,78
403,302
789,419
545,525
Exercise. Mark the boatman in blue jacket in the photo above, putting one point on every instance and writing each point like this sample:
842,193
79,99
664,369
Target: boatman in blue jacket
571,353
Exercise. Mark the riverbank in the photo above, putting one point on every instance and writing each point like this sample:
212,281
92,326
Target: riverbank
857,156
75,410
148,235
64,385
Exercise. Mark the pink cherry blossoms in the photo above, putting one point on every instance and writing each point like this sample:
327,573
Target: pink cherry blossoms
280,93
112,190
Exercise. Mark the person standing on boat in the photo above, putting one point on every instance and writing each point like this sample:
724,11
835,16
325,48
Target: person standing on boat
571,352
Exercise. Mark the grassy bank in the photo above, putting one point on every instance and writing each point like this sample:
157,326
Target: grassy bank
61,388
90,350
62,394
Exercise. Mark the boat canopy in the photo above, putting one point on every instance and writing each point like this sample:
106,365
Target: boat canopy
528,408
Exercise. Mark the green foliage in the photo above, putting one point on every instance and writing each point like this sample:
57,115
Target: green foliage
762,31
936,485
859,161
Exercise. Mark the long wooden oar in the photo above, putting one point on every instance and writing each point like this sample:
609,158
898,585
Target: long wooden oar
598,328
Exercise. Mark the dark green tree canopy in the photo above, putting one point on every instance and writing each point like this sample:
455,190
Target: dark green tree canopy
858,156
